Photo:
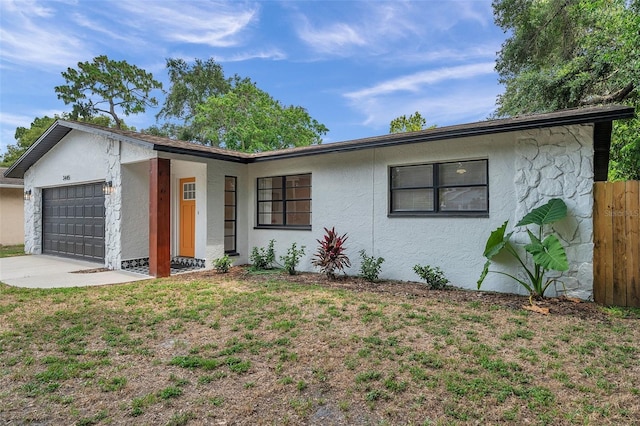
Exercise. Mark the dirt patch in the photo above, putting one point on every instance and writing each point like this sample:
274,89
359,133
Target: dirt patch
556,305
91,271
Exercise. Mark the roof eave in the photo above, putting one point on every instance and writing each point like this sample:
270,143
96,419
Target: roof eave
477,129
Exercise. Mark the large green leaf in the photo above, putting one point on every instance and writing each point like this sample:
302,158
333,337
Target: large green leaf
496,241
549,253
484,273
551,212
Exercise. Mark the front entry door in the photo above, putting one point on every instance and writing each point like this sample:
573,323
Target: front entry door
188,217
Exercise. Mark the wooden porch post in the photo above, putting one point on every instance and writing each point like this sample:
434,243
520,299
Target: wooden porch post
159,217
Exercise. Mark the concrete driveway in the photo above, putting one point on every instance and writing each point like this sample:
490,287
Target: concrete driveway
40,271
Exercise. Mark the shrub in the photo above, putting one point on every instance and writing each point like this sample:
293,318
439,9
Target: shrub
330,255
292,258
222,264
370,267
434,277
546,254
263,258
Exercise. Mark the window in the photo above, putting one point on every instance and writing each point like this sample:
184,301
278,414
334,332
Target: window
189,191
230,214
285,201
440,189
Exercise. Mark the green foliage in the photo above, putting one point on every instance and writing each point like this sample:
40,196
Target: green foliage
9,251
292,258
565,54
248,119
263,258
191,86
222,264
370,267
433,277
330,255
230,112
413,123
103,85
547,254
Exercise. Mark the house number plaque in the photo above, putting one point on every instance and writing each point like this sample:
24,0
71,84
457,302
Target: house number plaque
66,177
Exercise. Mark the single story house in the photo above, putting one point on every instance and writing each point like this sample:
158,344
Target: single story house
11,210
432,197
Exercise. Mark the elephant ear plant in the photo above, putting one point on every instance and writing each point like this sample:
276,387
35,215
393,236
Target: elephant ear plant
547,254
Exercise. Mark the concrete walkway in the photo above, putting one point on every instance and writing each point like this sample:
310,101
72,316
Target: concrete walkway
40,271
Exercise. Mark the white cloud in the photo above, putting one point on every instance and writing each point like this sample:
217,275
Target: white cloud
30,38
270,54
415,82
211,23
93,25
386,28
333,39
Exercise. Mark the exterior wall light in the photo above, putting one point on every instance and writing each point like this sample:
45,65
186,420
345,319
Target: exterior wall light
107,188
27,195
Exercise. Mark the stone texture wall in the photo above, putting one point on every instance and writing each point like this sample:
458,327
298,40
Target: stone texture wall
558,163
113,207
32,216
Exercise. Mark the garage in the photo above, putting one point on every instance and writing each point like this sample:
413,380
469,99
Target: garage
73,221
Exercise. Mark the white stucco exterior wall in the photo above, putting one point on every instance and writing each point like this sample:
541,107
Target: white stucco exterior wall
216,172
135,211
77,159
350,191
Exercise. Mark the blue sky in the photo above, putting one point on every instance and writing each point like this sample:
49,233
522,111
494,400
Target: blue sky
353,65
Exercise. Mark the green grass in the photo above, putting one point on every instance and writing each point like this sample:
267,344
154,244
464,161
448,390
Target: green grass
10,251
173,352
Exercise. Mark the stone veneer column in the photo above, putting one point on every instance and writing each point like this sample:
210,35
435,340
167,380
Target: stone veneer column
558,163
32,216
113,207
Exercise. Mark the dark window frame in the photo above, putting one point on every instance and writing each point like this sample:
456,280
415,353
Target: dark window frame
284,200
235,215
436,187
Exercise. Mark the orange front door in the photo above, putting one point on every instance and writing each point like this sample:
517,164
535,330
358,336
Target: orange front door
188,217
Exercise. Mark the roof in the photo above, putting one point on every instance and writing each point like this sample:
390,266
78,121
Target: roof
7,182
61,128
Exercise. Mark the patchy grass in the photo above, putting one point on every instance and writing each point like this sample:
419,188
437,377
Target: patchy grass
10,251
221,349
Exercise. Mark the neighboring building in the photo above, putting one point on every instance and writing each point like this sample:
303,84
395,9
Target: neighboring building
11,210
428,197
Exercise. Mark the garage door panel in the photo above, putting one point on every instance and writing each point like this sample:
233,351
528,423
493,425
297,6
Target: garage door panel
73,221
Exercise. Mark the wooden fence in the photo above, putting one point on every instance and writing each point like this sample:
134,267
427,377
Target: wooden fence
616,237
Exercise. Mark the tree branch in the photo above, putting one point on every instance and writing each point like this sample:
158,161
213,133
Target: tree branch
618,96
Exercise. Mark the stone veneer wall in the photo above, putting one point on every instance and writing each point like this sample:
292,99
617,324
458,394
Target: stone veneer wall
113,208
558,163
32,216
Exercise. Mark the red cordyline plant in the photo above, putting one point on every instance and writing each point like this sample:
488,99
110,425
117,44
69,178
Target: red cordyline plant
330,255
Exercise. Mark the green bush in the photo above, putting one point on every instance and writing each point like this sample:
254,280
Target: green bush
292,258
222,264
263,258
370,267
433,277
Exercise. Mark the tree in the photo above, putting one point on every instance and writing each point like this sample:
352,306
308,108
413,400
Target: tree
572,53
413,123
230,112
104,85
25,137
191,86
248,119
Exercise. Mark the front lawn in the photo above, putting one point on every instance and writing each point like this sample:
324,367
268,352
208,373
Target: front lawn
222,349
8,251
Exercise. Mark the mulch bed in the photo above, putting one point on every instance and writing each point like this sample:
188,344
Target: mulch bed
556,305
